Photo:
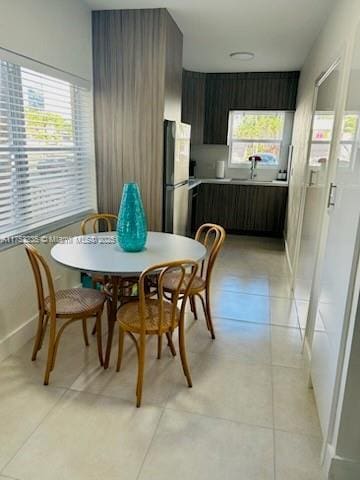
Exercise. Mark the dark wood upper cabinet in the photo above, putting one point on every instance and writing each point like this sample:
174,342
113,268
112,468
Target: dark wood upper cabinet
193,104
208,97
244,91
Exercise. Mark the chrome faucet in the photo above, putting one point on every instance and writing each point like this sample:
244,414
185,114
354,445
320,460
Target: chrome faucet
253,161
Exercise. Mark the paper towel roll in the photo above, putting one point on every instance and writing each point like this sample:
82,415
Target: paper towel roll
220,169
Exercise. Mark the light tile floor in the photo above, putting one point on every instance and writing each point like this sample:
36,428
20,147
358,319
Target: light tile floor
249,415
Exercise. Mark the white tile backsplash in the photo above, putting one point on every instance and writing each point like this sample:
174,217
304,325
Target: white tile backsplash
206,157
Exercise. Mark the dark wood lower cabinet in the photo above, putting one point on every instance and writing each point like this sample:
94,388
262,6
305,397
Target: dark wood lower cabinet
245,209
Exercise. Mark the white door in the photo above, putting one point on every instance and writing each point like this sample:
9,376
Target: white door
315,187
341,252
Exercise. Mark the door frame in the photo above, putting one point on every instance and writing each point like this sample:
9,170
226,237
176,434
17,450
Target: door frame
319,80
330,435
341,96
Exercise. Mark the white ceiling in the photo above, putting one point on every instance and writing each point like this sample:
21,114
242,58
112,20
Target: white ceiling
279,32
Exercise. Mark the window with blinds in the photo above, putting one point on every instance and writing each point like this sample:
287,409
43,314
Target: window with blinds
46,158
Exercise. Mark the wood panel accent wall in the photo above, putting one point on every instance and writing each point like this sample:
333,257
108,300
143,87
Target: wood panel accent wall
193,104
173,70
137,57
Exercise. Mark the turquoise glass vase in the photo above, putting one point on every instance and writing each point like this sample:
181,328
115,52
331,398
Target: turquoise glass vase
131,229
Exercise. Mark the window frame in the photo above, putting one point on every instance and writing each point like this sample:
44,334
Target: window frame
16,232
282,156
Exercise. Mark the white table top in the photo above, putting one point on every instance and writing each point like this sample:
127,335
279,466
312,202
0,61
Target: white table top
99,253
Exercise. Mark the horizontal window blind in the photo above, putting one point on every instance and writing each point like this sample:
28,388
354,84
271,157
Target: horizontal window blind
46,157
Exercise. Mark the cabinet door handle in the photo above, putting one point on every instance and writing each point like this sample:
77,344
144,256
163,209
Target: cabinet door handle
332,194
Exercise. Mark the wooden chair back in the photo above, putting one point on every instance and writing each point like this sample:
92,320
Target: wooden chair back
41,272
212,236
98,222
180,293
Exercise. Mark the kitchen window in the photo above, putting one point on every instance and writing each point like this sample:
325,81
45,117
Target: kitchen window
265,134
46,158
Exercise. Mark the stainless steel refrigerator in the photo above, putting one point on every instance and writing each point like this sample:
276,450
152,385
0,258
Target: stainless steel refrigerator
176,177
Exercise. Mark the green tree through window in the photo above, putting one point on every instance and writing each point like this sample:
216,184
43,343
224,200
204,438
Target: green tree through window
47,127
262,127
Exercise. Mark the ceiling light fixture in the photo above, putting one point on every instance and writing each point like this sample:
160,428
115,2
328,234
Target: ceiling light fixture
243,56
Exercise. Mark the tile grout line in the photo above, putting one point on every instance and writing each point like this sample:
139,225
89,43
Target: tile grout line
150,444
240,292
215,417
35,429
272,398
255,323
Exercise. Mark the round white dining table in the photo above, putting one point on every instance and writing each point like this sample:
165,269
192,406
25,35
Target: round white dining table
99,253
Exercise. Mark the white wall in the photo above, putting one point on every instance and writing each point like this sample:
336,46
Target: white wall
206,157
58,33
18,306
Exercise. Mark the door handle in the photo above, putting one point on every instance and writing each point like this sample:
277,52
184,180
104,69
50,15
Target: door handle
311,179
332,195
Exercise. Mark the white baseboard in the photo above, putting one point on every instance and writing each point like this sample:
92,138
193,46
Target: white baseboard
17,339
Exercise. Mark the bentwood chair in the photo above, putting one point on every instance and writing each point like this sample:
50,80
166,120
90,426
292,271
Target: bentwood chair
212,237
62,306
154,314
95,223
104,222
98,222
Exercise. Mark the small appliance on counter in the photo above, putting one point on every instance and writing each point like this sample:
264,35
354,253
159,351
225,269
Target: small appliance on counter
220,169
282,175
176,177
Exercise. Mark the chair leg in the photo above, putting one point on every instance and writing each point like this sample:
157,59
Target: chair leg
171,344
111,314
159,346
99,338
51,351
38,337
206,307
193,307
183,353
203,304
93,331
121,348
44,331
141,367
208,313
85,333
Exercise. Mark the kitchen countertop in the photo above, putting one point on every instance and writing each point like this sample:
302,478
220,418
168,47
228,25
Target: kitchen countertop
194,182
